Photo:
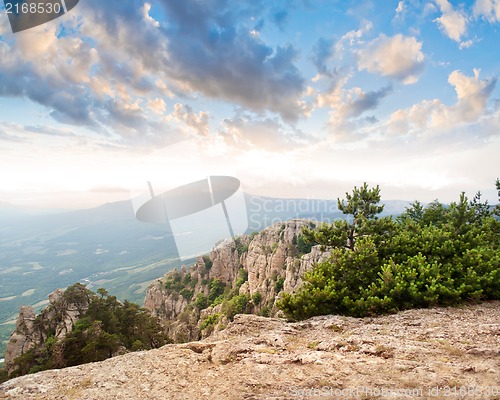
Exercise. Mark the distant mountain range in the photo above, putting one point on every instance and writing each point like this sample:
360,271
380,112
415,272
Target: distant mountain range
108,247
8,211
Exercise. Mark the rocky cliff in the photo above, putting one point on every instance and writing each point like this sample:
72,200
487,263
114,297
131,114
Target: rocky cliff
55,320
79,326
438,353
243,275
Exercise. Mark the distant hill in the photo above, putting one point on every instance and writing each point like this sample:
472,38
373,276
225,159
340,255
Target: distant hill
9,211
264,211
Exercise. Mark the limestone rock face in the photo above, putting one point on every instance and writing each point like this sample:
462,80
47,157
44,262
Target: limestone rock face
56,319
162,304
64,310
293,278
226,261
24,337
271,263
273,255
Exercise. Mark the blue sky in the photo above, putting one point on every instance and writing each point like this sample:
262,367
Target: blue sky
296,98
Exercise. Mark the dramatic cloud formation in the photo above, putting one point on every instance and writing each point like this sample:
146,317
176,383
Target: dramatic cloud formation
472,95
223,60
332,57
271,88
397,57
115,57
41,68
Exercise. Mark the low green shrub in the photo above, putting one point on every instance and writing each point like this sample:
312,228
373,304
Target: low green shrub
428,256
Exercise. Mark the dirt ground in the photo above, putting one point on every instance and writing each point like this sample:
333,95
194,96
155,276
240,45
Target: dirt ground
441,353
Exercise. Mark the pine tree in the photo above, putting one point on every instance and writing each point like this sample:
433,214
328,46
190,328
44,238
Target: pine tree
361,208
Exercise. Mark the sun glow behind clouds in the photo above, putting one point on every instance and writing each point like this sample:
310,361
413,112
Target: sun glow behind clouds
93,171
82,179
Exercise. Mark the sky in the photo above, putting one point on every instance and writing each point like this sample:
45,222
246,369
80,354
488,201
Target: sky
298,98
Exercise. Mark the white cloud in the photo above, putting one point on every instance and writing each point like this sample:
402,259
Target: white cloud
398,57
352,38
157,105
37,42
466,44
400,8
452,22
472,94
198,122
429,8
145,10
348,108
398,123
433,117
246,132
489,9
332,57
346,104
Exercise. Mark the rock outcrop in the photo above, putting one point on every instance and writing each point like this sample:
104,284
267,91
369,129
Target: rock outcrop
55,320
24,337
259,266
426,353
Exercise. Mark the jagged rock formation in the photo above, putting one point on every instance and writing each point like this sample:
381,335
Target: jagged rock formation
79,326
24,337
426,353
55,320
259,267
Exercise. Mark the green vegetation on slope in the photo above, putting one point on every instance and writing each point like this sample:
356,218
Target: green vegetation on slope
218,292
223,299
437,255
107,328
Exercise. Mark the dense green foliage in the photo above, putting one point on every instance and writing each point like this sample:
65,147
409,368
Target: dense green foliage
434,255
235,305
106,328
216,290
210,321
497,208
242,277
303,245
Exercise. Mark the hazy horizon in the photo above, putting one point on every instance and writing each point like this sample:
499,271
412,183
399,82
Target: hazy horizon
51,209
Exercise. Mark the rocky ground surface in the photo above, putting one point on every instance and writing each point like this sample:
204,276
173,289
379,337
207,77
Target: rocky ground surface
431,353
